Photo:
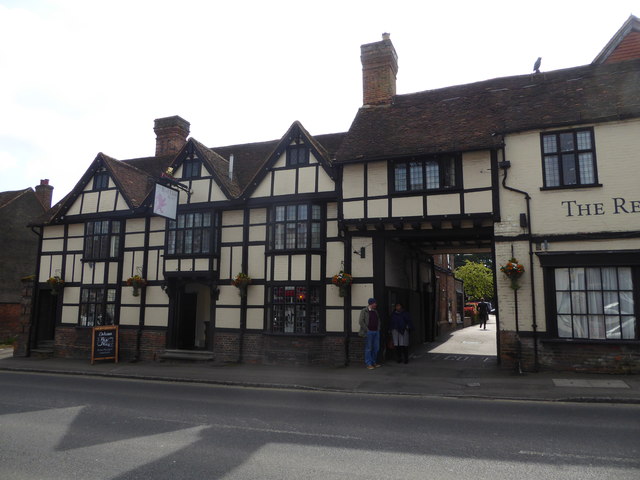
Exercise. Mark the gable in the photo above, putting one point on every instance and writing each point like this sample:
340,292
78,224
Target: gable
624,45
298,164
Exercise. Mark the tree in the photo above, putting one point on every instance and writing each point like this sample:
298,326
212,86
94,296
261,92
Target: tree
477,278
483,258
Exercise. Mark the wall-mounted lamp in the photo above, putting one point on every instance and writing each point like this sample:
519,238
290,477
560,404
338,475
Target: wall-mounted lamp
362,252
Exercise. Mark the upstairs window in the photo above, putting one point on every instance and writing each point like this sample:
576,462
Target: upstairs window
191,234
569,158
296,227
297,155
101,181
434,173
191,168
102,240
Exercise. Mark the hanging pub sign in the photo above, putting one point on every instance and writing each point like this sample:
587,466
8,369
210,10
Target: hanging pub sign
104,343
165,202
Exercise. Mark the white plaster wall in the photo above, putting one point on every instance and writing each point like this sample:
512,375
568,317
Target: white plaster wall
378,208
255,318
256,261
255,295
325,184
362,267
307,179
75,244
334,320
56,245
478,202
353,181
353,209
443,204
134,225
200,190
155,296
90,202
129,315
284,182
407,207
298,267
228,317
134,240
107,201
57,231
156,317
264,188
476,169
377,179
70,314
333,297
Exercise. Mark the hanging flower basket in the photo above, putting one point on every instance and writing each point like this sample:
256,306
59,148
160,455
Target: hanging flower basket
56,283
342,280
513,271
241,281
137,282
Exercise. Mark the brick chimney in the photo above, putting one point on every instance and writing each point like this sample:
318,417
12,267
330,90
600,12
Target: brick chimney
44,193
171,134
379,69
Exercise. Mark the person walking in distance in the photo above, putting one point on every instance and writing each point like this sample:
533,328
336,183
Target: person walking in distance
400,327
483,313
370,323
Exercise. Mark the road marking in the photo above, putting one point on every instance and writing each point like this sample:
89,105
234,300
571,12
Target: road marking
564,382
580,457
286,432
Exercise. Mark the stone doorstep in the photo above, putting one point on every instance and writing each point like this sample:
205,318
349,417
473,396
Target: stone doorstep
564,382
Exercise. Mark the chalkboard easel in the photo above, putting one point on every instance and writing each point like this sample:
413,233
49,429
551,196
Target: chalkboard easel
104,343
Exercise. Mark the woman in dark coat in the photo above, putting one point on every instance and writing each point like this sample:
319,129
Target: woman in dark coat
400,326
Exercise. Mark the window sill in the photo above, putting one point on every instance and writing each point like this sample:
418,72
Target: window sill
407,193
571,187
190,255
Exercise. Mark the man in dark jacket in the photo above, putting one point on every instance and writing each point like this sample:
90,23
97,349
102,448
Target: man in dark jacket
483,313
370,324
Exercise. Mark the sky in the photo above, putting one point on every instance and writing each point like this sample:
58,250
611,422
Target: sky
80,77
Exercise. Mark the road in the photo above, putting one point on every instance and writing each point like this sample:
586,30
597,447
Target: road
74,427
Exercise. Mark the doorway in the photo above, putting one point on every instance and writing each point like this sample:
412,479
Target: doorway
46,319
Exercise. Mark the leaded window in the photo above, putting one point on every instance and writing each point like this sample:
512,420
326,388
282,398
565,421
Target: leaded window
294,309
102,240
101,180
191,168
97,306
433,173
297,155
569,158
191,234
296,227
595,303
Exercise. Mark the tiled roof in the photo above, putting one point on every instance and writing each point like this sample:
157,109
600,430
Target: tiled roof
7,197
134,183
468,117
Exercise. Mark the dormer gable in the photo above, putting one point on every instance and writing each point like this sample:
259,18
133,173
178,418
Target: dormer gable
197,164
297,149
108,185
624,45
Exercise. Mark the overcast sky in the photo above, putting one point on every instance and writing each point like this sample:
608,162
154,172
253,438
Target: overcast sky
80,77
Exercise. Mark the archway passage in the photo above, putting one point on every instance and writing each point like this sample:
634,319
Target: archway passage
414,265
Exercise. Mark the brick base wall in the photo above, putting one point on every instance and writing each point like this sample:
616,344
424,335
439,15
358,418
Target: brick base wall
564,356
10,326
73,342
280,350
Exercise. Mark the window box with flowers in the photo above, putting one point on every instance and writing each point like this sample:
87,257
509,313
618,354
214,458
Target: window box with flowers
56,283
342,280
513,271
241,281
137,282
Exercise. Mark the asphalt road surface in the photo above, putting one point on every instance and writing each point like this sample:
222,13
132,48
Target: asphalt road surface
71,427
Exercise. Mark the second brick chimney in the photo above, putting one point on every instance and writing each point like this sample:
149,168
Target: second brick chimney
171,134
44,193
379,70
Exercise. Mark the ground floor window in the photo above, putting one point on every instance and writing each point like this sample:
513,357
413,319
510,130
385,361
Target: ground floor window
294,309
97,306
595,303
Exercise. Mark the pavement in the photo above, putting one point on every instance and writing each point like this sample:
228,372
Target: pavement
460,365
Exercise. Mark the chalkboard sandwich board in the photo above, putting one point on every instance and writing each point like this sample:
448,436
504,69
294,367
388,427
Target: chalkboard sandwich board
104,343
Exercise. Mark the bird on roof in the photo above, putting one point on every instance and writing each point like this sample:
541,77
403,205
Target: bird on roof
536,66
